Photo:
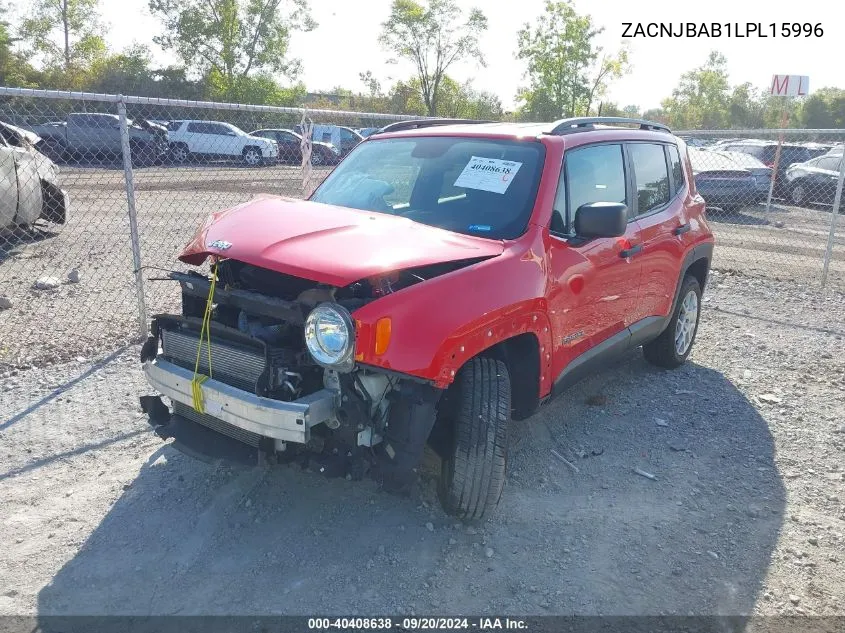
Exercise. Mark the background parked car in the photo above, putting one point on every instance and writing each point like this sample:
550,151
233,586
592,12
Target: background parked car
722,181
814,180
762,174
29,187
215,139
87,135
367,131
765,152
290,147
344,138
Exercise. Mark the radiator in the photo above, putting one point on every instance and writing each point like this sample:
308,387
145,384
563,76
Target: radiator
230,363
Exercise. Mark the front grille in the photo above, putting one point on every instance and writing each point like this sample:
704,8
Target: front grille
232,364
224,428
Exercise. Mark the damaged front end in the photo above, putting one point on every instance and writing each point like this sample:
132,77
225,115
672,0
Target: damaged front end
281,381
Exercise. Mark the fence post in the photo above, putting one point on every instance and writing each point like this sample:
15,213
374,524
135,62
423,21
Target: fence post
837,201
306,128
133,218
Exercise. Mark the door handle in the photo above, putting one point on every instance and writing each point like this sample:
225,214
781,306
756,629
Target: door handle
630,252
682,229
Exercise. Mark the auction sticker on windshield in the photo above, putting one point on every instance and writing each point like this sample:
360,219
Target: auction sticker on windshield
488,174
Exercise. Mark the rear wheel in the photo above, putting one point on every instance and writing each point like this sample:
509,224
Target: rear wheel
674,345
179,153
478,411
317,158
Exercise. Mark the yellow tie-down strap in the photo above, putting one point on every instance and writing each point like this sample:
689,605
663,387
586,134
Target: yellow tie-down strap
205,334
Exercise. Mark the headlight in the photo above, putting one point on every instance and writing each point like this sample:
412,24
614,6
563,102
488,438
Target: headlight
330,337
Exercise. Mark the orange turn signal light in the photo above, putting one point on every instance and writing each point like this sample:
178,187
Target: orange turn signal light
382,335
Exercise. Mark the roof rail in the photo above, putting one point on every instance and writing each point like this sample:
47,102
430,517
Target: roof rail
576,124
415,124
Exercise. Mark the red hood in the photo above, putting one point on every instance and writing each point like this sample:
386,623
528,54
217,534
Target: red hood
328,244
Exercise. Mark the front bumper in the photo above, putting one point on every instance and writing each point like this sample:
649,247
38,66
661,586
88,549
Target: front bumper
275,419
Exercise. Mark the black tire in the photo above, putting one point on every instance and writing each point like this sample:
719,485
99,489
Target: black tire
473,471
252,156
179,153
663,350
317,159
798,195
143,154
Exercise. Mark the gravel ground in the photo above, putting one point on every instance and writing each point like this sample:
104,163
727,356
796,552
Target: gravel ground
746,514
99,312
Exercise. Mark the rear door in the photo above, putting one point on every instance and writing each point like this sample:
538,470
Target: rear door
198,139
660,192
593,288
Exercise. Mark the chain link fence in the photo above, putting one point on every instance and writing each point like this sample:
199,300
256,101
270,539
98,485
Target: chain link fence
770,197
99,193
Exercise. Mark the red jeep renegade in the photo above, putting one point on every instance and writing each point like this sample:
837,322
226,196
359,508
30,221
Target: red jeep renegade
444,279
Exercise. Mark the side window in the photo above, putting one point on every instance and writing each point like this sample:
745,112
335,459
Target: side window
345,135
594,174
287,137
651,175
676,166
197,127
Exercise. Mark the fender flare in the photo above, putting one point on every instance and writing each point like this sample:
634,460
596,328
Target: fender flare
462,346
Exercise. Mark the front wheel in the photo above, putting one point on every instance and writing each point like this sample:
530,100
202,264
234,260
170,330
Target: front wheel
252,157
674,345
473,470
798,195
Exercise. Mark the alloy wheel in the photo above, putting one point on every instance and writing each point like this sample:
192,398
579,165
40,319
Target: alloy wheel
686,323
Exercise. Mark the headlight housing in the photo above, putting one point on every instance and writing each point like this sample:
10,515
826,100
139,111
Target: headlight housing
330,337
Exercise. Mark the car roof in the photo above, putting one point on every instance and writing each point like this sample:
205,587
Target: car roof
512,129
741,158
713,160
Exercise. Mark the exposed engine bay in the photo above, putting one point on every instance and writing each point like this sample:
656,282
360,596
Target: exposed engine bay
257,329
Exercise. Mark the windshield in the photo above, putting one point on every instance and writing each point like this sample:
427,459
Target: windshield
474,186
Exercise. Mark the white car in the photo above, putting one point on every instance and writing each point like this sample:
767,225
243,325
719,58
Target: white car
29,181
215,139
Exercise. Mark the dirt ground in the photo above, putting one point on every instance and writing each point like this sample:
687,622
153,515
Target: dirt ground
745,514
100,312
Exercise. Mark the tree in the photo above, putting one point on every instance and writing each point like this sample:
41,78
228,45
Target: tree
74,23
701,99
14,69
462,101
609,67
433,37
825,108
229,41
559,51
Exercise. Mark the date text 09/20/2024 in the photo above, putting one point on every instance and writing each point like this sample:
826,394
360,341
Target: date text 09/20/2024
416,624
721,29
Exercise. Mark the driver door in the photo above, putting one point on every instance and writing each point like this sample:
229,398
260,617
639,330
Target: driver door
593,284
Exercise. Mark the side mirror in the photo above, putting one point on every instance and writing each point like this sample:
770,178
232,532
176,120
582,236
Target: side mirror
601,219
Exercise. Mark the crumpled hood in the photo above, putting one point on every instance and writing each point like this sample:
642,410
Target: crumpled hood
325,243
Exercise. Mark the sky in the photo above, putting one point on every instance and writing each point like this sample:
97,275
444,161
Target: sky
345,43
